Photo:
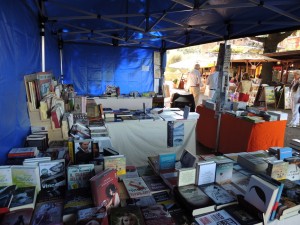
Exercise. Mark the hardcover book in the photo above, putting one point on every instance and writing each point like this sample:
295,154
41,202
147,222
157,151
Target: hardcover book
157,214
187,159
117,162
136,187
23,197
219,195
194,199
166,161
262,195
48,213
52,173
83,153
79,175
21,216
24,176
205,172
130,213
155,183
186,176
224,172
104,187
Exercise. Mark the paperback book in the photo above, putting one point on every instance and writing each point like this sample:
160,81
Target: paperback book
25,176
155,183
49,212
157,214
79,175
23,197
5,176
21,216
117,162
120,214
104,187
6,195
216,218
91,215
52,174
194,199
205,172
219,195
136,187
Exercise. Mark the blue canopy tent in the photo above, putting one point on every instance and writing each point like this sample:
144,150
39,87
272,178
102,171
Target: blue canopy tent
93,43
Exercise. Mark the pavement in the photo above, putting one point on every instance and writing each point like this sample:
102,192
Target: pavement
290,133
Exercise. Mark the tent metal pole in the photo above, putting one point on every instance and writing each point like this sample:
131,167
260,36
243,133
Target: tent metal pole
42,34
61,66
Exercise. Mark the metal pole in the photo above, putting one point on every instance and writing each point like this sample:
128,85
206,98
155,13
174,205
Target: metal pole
42,34
60,47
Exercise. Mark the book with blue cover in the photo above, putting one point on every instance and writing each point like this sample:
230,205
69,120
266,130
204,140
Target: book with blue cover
166,161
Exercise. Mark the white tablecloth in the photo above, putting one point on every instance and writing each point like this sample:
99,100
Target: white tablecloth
138,140
128,103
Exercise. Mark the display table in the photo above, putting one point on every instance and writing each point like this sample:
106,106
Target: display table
138,140
124,102
238,135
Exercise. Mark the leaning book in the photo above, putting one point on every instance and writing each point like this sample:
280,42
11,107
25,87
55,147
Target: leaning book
5,176
23,197
136,187
117,162
78,176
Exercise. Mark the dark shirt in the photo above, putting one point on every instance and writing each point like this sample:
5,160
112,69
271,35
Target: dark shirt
83,157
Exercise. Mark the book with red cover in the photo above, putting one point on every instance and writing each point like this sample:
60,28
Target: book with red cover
104,187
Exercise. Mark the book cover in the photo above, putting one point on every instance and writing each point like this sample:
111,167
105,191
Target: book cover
224,172
131,171
157,214
23,197
145,170
277,169
187,159
44,83
219,195
136,187
6,195
21,216
117,162
25,176
142,201
164,198
186,176
180,216
216,218
94,215
123,215
76,199
175,133
79,175
52,173
194,199
293,170
155,183
83,151
104,187
49,212
262,195
166,161
5,176
205,172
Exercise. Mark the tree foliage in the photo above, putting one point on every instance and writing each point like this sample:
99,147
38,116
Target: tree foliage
270,43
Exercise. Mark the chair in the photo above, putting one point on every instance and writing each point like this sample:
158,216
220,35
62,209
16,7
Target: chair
180,101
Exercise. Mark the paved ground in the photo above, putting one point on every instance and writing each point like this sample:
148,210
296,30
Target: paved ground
290,133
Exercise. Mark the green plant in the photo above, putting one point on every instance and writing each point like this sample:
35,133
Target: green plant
175,81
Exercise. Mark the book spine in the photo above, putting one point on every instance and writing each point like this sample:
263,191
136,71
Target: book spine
276,204
170,130
71,150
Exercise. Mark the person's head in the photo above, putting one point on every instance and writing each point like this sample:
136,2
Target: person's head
212,69
111,190
246,76
296,74
129,219
84,145
197,66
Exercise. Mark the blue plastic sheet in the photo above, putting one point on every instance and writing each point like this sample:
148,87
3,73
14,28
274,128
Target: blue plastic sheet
91,68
